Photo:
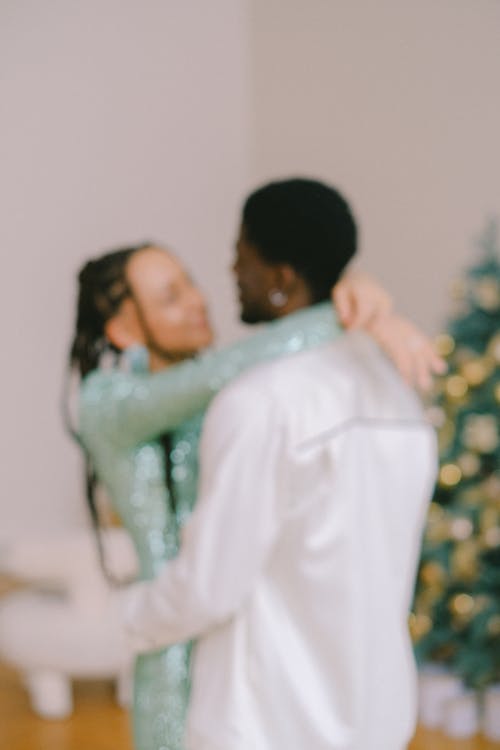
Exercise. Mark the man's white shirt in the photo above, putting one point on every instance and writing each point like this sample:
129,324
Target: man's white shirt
297,566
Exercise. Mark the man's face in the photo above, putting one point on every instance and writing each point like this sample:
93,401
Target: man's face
255,278
169,308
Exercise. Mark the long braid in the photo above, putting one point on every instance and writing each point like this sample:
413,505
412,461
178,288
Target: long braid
103,287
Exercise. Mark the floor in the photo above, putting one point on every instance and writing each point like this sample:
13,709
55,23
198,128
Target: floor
99,724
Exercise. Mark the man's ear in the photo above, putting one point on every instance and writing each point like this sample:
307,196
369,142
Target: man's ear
123,329
287,279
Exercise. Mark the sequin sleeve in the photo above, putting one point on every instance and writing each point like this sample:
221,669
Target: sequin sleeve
132,408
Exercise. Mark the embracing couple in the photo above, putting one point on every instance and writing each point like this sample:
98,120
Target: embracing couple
284,544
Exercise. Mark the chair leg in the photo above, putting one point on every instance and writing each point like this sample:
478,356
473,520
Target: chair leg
124,689
50,693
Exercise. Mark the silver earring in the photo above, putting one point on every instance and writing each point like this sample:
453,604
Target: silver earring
277,298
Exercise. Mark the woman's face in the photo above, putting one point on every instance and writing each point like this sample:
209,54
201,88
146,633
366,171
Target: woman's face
169,310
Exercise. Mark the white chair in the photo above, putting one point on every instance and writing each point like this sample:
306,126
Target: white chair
64,627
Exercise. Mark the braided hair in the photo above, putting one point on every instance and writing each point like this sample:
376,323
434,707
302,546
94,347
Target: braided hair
103,286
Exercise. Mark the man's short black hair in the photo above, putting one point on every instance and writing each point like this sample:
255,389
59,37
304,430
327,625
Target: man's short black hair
305,224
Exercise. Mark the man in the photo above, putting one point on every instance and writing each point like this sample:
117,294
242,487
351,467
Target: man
295,571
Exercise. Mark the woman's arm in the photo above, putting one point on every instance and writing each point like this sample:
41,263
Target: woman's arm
362,303
409,348
132,408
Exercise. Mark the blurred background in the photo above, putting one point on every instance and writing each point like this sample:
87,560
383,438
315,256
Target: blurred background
124,121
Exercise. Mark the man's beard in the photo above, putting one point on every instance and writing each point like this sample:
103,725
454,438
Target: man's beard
253,314
250,318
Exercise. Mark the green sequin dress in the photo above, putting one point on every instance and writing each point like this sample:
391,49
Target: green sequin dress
122,416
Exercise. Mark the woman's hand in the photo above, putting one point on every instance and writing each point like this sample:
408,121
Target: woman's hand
362,303
359,300
410,349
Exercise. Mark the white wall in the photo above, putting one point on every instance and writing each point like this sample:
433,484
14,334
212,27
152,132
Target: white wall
396,102
121,120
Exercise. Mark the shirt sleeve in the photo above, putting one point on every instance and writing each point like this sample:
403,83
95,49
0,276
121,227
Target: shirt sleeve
226,542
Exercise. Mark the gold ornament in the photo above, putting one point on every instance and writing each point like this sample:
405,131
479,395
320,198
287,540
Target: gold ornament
494,348
420,624
436,512
428,597
464,561
456,386
437,524
489,519
493,625
496,391
464,355
449,475
481,433
432,574
438,532
487,293
482,601
461,528
444,344
491,488
491,537
489,523
472,496
476,371
469,464
462,605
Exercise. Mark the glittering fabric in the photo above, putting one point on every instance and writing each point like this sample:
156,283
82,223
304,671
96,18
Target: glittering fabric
122,415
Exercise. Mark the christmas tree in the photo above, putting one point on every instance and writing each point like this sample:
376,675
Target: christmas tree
456,613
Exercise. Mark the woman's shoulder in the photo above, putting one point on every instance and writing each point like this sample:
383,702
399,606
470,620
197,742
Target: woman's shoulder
100,388
99,382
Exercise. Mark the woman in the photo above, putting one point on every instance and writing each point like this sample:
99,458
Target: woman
140,418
